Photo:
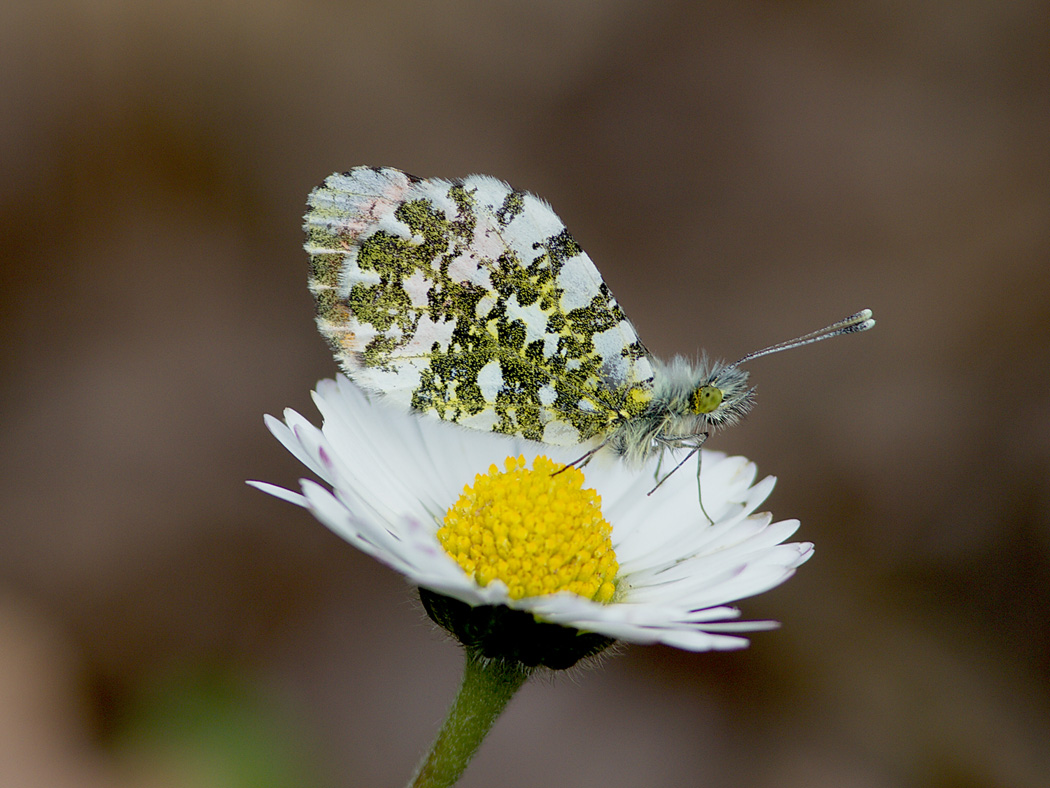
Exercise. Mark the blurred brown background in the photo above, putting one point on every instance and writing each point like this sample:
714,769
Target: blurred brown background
740,173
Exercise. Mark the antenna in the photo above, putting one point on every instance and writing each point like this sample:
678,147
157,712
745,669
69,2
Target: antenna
853,324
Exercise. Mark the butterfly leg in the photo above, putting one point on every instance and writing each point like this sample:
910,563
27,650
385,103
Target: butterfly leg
582,461
693,443
675,468
699,491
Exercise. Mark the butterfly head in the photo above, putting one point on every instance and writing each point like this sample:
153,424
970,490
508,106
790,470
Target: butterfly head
722,395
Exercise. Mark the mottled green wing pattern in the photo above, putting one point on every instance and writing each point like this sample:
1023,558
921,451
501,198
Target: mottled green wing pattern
469,301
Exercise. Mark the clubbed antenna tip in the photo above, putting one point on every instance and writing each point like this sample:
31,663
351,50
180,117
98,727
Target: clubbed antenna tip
861,321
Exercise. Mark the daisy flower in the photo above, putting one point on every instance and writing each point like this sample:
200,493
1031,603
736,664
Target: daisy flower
598,555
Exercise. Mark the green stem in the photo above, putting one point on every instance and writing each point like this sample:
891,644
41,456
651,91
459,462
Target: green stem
488,685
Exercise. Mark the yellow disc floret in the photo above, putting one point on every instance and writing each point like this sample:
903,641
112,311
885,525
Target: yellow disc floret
536,530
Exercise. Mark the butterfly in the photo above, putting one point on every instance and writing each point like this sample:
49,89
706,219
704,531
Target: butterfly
467,300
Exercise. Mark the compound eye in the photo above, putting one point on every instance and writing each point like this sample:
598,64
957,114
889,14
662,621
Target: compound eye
706,399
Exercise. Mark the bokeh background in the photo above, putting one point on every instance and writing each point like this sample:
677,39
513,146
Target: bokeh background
740,172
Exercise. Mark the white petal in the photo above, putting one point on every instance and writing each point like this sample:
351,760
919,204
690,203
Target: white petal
283,432
280,492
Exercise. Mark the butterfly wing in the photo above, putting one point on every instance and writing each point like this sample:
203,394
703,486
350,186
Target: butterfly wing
469,301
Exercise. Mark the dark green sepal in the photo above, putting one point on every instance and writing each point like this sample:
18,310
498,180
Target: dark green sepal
498,632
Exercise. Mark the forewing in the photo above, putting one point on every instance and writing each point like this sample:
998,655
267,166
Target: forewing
470,301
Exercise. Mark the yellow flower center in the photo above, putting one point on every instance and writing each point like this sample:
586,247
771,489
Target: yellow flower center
536,530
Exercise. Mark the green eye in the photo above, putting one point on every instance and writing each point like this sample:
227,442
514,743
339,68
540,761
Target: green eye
706,399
